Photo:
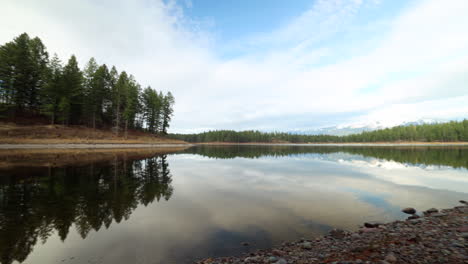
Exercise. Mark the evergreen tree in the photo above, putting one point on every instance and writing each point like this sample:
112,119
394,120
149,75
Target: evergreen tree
92,93
167,111
53,89
31,84
7,78
118,99
73,91
39,62
131,106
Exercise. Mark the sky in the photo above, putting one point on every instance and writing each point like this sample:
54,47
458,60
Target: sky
270,65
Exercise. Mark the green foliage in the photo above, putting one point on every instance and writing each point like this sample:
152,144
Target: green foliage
157,110
52,91
30,83
167,111
441,132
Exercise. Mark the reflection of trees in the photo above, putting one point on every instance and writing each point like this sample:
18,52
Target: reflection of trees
456,157
90,197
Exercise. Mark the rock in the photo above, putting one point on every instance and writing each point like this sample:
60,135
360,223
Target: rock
456,244
409,210
337,233
439,215
245,244
368,230
306,245
272,259
391,258
463,202
281,261
415,216
464,235
432,210
372,224
277,252
415,221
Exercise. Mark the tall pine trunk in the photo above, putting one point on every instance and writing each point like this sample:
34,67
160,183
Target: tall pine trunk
126,128
117,119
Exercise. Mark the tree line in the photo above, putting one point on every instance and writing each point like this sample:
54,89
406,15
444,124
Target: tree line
33,84
454,131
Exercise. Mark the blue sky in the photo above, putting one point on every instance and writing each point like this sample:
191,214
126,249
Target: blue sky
270,65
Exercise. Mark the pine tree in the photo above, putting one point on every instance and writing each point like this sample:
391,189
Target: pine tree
39,61
118,100
73,90
131,105
90,88
167,111
53,90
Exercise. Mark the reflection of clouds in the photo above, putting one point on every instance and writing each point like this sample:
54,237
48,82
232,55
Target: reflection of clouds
219,203
436,177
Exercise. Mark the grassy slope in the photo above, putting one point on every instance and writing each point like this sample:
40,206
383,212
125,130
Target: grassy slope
58,134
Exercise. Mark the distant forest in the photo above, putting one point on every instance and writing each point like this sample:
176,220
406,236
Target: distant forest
441,132
33,85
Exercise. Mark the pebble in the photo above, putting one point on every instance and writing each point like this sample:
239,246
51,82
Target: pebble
306,245
439,215
272,259
281,261
391,258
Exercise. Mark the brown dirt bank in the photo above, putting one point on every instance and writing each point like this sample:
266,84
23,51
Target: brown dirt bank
436,237
58,134
64,157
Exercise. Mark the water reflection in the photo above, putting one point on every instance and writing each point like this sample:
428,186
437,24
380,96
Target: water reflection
90,197
225,196
455,157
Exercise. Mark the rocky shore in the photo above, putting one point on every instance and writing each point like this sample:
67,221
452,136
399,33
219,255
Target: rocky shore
431,237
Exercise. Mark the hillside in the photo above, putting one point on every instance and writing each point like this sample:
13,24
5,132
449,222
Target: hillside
57,134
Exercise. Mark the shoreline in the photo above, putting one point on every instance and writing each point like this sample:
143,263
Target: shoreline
91,146
433,237
6,146
367,144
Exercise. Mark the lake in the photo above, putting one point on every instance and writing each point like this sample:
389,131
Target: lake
210,200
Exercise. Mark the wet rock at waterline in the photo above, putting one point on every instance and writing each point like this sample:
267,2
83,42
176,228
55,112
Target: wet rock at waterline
409,210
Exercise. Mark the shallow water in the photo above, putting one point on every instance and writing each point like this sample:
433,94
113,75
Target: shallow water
206,201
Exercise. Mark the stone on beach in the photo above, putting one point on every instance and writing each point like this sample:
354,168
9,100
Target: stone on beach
409,210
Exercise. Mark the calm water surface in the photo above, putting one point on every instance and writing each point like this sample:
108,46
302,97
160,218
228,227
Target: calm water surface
206,201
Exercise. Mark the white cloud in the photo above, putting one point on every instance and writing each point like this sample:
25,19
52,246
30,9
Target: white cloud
414,64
